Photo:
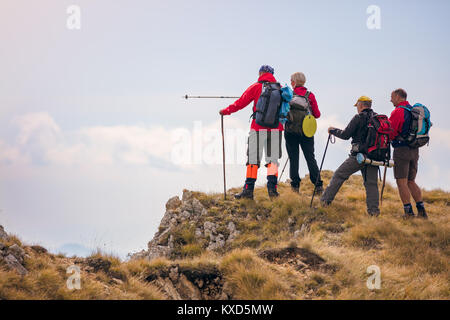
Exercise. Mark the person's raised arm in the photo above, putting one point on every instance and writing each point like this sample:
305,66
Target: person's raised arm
348,132
247,97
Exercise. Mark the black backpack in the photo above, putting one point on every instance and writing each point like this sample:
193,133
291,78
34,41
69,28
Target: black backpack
268,107
299,109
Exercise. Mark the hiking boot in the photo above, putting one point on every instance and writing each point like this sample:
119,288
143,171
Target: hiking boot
245,194
295,189
272,182
374,214
421,213
409,213
273,193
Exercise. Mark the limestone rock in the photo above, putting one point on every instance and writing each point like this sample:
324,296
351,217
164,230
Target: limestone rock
17,252
233,231
180,213
158,251
13,264
173,203
3,234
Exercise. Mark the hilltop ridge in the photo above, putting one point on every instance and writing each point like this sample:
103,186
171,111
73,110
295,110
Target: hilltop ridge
210,248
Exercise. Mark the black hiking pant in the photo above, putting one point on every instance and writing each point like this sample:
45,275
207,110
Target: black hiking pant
293,142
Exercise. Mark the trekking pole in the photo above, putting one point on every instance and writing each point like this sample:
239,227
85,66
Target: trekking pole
287,160
384,183
320,170
223,158
208,97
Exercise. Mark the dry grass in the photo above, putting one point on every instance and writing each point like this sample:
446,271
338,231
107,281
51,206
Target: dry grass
413,256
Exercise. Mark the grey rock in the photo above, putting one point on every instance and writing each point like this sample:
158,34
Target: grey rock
158,251
198,233
187,195
233,231
136,255
197,206
170,243
13,264
304,228
219,242
3,234
167,218
291,221
297,233
173,203
173,222
209,228
160,238
17,252
231,227
185,214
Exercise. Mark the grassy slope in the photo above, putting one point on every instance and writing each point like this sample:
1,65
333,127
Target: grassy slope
413,255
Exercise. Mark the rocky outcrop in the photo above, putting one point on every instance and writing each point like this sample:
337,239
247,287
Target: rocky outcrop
187,212
3,235
12,256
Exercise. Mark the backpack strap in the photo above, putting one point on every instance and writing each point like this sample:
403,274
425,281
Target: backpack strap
406,108
307,101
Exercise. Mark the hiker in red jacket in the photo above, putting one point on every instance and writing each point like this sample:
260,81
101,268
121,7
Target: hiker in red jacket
260,138
295,140
405,158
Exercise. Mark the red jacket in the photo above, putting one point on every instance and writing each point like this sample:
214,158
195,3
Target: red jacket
252,94
400,121
301,91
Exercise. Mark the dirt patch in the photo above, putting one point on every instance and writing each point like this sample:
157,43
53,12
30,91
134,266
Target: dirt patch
181,282
98,264
300,258
38,249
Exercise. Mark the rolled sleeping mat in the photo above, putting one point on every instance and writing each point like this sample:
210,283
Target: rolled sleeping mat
361,158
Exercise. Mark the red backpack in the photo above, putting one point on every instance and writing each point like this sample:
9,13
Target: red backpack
378,142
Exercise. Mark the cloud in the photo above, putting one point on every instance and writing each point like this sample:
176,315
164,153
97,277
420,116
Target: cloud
41,141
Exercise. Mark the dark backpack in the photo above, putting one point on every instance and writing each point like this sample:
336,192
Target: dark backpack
377,143
419,126
268,107
299,109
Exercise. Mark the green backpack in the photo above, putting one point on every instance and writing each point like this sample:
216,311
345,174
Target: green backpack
300,109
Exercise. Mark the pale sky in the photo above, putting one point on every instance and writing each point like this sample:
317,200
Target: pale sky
87,116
